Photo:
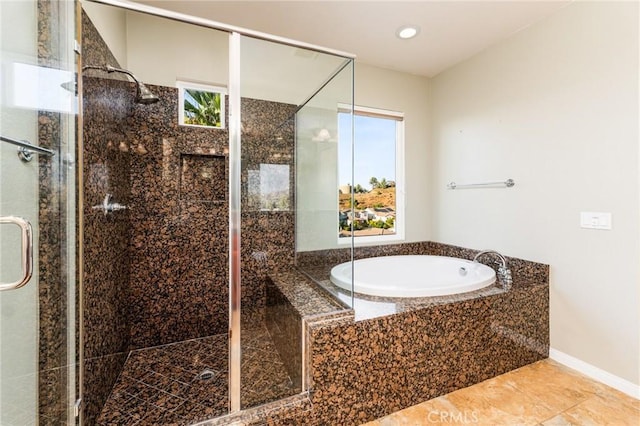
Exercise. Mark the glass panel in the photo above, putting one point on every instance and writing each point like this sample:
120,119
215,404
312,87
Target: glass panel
156,259
275,80
324,167
37,320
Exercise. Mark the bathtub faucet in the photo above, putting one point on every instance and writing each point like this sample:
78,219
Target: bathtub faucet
504,273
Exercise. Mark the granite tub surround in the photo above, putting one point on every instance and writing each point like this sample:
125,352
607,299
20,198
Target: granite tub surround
319,260
523,271
367,369
361,370
319,263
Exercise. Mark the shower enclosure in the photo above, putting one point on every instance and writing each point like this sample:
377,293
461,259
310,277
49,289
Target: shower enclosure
189,205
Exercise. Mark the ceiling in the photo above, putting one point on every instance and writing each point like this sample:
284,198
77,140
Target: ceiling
451,31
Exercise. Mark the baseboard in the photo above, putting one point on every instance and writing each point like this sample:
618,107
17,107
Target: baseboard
596,373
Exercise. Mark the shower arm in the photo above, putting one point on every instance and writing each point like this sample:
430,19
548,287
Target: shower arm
143,94
110,69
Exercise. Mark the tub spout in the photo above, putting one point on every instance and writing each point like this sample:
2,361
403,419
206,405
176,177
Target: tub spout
504,273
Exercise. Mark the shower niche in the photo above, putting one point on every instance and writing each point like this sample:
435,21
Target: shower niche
178,324
203,178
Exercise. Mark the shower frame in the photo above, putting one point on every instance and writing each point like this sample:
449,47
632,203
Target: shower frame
235,136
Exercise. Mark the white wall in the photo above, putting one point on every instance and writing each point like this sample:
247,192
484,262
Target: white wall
111,23
159,51
554,107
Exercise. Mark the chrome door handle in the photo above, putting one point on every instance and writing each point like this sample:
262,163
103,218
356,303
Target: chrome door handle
26,249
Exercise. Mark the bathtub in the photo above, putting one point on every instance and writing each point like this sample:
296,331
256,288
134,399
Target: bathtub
413,276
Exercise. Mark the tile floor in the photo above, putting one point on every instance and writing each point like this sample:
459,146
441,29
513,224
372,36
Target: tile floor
545,393
163,385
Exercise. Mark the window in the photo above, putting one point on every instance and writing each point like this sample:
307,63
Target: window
377,213
201,105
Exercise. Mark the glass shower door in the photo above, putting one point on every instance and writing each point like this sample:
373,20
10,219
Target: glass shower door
19,289
18,221
36,384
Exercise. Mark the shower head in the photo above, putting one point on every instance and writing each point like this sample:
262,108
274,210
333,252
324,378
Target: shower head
143,94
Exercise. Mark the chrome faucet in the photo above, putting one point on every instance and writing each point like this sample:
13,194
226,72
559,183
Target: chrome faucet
504,273
108,207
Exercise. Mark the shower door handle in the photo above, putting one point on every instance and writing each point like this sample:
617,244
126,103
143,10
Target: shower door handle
26,247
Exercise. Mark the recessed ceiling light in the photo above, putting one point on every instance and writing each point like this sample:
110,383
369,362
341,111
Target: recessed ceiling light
408,31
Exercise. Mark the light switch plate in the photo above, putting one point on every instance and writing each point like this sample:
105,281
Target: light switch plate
595,220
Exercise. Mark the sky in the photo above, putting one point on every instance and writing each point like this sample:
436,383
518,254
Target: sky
375,153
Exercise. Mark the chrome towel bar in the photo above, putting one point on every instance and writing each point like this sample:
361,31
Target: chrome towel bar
507,183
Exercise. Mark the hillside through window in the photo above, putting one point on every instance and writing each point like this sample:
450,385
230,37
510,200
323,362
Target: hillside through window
377,210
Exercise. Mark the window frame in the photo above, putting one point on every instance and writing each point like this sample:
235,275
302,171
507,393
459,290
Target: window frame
399,225
186,85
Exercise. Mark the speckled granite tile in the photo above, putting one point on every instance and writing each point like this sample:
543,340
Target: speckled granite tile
521,270
303,294
179,237
163,384
309,260
53,128
361,370
287,411
434,350
174,181
179,240
106,105
285,327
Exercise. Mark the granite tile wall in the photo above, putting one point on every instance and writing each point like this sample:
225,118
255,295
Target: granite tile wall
106,105
267,199
179,226
179,220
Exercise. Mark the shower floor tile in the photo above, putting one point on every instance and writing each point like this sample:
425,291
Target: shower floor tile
162,385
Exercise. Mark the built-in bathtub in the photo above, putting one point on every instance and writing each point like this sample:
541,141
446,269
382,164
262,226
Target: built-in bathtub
412,276
405,350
